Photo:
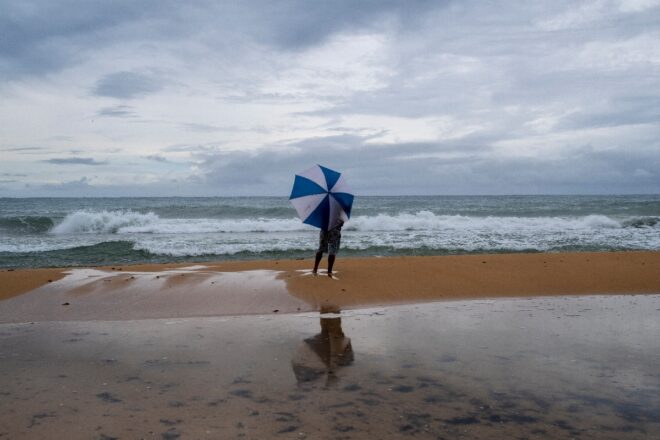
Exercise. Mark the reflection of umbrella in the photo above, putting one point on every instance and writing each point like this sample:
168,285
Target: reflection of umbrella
321,197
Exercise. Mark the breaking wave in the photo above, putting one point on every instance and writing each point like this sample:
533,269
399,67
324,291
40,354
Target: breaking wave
131,222
95,222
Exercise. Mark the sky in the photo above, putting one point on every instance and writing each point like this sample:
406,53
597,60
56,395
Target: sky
232,98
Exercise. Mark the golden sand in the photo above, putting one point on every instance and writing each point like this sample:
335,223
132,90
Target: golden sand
260,287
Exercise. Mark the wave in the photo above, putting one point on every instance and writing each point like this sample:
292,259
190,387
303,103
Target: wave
428,221
642,222
104,253
26,224
131,222
95,222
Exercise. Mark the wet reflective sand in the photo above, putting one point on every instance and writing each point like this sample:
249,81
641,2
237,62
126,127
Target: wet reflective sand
578,367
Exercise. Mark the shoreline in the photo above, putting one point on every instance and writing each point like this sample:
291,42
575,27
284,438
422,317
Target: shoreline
287,286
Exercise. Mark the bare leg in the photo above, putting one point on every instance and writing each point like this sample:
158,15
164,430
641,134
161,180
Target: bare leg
317,260
331,262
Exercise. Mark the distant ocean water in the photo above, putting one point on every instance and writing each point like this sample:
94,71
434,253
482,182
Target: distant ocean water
42,232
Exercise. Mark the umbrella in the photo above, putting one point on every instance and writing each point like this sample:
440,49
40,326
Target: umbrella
321,197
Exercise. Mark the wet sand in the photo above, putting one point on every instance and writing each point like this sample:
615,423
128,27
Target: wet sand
546,368
410,349
260,287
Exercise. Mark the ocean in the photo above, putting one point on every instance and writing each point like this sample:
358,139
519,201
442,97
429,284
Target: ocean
57,232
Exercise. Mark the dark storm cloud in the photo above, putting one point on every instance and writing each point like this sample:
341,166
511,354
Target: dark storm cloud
76,161
41,36
126,85
299,24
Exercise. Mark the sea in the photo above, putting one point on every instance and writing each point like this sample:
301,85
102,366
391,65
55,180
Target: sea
63,232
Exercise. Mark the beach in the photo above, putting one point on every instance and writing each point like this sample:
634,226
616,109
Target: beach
260,287
474,346
478,180
540,345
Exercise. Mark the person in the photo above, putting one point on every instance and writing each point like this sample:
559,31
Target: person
328,242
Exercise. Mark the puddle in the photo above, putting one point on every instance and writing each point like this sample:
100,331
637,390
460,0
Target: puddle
579,367
93,294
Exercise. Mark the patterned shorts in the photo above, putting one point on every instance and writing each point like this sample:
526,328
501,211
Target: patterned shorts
329,241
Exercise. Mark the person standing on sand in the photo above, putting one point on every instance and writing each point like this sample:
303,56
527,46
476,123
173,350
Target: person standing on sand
328,242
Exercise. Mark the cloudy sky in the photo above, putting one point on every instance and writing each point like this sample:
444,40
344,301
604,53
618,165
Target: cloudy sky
162,97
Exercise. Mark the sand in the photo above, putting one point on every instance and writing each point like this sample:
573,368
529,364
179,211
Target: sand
242,352
540,368
285,286
14,282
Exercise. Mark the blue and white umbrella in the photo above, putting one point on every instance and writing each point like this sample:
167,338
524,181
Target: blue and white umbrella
321,197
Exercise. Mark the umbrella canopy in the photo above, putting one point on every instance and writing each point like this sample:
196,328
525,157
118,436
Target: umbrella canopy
321,197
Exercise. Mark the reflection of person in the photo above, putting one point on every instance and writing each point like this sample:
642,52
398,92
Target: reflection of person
323,354
328,242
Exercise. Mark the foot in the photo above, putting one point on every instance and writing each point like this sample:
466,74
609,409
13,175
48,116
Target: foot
314,272
330,274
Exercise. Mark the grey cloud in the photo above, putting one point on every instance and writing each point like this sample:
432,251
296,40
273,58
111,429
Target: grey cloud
468,168
126,85
75,161
472,67
584,171
69,188
201,128
61,138
41,36
117,111
297,24
373,169
210,147
23,149
622,110
492,65
207,128
156,158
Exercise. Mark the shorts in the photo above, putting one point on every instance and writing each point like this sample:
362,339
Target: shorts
329,241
